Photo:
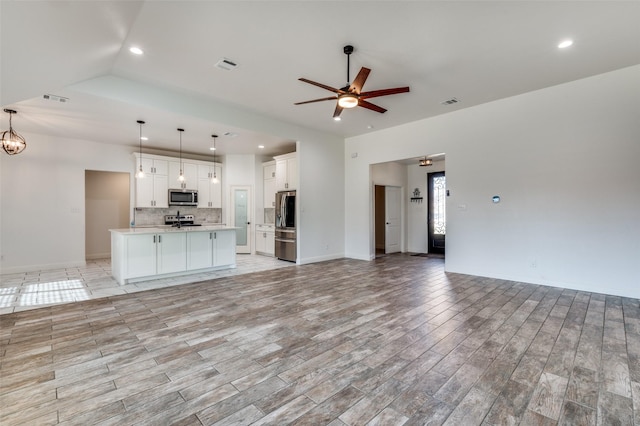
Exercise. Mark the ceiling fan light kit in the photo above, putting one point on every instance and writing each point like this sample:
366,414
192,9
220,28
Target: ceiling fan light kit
348,101
351,95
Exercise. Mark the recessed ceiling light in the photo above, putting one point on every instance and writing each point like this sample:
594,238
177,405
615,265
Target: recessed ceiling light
564,44
212,149
337,118
136,50
261,146
144,138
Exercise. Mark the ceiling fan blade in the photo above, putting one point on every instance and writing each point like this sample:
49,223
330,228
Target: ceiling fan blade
357,84
332,98
369,105
324,86
383,92
338,110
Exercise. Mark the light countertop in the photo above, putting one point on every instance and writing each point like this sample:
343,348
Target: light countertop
165,229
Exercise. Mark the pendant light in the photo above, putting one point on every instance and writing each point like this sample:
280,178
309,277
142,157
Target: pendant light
140,173
214,178
12,142
425,162
181,177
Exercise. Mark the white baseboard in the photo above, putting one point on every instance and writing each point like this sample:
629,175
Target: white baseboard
98,256
43,267
316,259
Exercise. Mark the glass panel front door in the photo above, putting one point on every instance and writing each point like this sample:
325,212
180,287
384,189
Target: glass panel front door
437,185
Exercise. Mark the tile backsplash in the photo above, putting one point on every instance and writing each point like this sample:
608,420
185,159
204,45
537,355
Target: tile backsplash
146,217
269,215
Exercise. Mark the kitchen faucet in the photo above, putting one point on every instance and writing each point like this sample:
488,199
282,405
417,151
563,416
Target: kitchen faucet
178,217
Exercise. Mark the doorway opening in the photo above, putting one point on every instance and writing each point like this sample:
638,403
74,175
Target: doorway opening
387,219
106,206
437,218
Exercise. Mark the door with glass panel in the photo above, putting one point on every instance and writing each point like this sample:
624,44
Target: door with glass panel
241,217
437,212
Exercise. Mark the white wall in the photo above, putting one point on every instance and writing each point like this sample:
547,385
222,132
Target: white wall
320,199
565,162
43,200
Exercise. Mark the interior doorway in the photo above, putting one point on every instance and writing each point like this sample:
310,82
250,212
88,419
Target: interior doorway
437,217
379,219
106,200
387,219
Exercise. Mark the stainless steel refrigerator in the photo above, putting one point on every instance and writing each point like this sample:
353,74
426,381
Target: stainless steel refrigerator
286,237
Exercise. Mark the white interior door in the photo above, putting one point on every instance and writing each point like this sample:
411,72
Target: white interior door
392,220
241,217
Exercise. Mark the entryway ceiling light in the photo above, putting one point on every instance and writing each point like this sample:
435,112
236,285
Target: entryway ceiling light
12,142
425,162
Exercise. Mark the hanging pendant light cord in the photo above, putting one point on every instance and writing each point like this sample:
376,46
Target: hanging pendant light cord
140,122
215,177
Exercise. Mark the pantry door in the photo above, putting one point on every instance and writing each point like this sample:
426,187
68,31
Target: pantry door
241,217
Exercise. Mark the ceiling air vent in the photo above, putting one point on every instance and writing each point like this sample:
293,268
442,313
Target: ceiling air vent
55,98
226,64
450,101
230,134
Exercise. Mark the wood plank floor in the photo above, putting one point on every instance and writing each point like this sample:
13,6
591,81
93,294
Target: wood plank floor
388,342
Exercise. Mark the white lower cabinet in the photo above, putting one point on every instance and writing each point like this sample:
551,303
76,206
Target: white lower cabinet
140,251
171,252
224,248
211,249
149,255
265,239
200,249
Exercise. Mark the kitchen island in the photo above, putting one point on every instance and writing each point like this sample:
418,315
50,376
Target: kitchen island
139,254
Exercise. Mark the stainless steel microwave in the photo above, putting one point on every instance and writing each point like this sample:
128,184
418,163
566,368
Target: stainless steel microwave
183,197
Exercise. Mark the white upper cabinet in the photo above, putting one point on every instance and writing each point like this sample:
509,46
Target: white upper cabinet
209,193
152,189
269,174
286,172
189,171
161,174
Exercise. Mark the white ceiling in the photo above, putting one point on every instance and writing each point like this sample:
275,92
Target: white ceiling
476,51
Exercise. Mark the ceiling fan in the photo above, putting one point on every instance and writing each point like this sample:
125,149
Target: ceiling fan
351,95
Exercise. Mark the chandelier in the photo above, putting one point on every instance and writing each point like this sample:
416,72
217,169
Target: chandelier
12,142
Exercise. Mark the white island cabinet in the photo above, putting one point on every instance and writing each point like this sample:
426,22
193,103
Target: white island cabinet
210,249
139,254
